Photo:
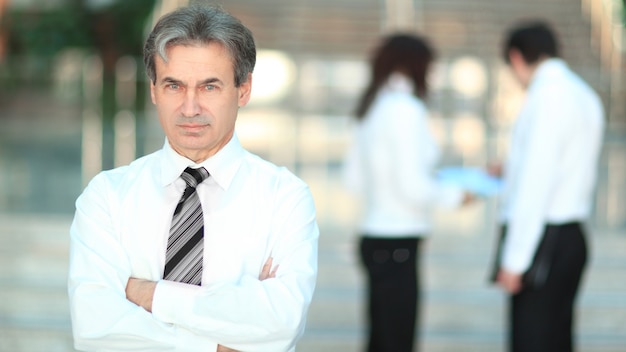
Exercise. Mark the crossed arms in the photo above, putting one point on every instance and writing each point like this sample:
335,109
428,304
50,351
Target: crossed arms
113,308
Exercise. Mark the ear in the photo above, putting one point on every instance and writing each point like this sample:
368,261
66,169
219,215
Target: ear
520,68
152,95
516,58
245,89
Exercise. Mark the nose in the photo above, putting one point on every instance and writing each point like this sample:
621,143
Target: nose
191,105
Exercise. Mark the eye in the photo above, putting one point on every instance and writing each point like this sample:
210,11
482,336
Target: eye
173,86
209,87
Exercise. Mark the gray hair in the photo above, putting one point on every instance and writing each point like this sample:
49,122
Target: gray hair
201,24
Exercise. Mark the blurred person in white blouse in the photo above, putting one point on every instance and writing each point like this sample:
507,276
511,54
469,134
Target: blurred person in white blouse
259,233
391,165
549,182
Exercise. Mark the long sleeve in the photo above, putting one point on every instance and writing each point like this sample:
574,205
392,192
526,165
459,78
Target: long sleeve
551,170
102,318
391,165
535,174
414,153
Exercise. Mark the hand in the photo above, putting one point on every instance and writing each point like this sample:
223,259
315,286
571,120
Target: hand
509,281
221,348
494,169
140,292
468,198
267,272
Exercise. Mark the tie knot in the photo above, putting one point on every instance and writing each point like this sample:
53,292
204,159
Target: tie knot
193,177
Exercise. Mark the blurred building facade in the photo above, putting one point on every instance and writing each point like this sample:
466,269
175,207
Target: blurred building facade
312,66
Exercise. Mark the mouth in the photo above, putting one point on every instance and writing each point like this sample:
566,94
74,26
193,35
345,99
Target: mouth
192,130
193,127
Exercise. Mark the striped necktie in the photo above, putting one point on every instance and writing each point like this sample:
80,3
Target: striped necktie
185,245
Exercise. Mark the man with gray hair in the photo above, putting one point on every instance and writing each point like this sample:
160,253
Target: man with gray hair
200,246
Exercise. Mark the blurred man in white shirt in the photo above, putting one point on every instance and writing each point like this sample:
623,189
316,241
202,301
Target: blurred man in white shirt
549,183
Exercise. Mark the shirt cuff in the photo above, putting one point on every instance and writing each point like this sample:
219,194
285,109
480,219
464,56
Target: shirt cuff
450,196
173,300
515,261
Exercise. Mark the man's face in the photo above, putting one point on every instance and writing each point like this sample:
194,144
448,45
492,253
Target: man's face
196,98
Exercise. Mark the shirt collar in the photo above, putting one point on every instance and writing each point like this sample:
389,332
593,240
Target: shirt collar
548,67
399,82
222,166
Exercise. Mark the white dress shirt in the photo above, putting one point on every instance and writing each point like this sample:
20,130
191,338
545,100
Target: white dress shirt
391,164
252,210
551,169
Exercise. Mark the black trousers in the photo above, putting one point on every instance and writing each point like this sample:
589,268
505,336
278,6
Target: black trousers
541,319
393,286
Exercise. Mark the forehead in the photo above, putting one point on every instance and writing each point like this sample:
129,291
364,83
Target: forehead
197,57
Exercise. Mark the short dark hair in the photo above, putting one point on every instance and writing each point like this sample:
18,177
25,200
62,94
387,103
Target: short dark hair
408,54
201,24
534,40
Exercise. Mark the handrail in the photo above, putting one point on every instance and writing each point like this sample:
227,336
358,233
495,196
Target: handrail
607,31
608,37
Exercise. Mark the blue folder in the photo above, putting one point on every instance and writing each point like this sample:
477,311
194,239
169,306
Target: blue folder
474,180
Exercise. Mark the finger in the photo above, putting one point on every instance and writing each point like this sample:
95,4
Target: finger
264,274
267,266
266,270
273,272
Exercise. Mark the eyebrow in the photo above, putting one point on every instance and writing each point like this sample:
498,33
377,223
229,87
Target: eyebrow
211,81
171,80
179,82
